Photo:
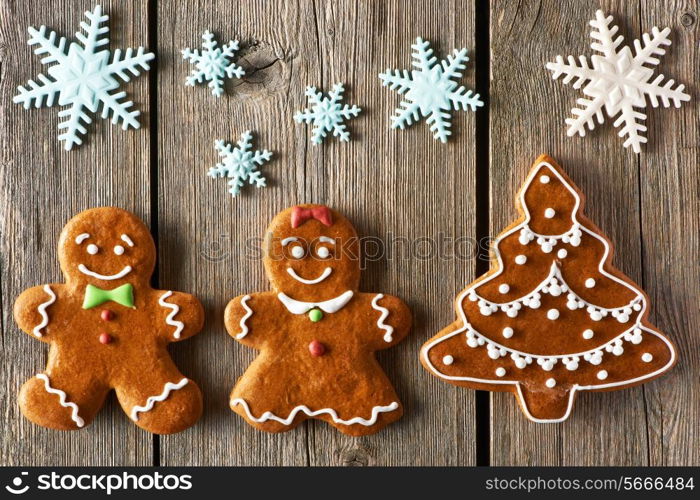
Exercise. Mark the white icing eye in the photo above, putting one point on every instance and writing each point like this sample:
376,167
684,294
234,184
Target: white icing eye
297,252
323,252
118,250
92,249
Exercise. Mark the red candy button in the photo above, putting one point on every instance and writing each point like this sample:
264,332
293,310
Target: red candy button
106,315
105,338
316,348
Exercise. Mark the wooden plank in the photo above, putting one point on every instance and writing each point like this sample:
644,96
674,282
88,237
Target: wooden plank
383,180
42,187
527,118
670,184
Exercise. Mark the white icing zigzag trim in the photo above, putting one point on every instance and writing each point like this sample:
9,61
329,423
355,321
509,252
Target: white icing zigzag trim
63,397
248,314
42,310
305,409
555,285
462,315
152,400
179,325
385,313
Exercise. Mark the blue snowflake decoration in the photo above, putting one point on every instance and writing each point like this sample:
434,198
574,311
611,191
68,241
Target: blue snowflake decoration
83,78
326,114
429,90
240,164
212,63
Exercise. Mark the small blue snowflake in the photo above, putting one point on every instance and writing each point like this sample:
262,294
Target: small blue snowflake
430,90
240,164
326,114
213,63
83,78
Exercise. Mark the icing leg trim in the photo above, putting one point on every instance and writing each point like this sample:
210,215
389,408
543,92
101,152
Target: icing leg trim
152,400
42,310
63,397
305,409
248,314
388,336
179,325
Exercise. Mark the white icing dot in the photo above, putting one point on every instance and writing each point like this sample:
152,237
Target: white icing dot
118,250
550,382
562,253
544,179
552,314
520,260
500,371
92,249
588,334
507,332
504,288
323,252
297,252
590,283
602,375
448,360
647,357
549,213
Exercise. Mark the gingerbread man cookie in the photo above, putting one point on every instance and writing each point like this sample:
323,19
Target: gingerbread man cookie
108,329
315,331
552,316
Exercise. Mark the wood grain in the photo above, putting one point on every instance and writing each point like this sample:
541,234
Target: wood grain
403,186
42,187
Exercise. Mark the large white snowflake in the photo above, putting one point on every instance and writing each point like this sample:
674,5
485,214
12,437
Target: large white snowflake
83,78
430,89
618,81
212,63
326,114
240,164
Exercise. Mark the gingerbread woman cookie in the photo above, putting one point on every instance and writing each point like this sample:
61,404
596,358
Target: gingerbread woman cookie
315,331
552,316
108,329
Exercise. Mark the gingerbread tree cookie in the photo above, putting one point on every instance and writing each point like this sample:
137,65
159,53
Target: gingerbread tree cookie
315,331
108,329
552,316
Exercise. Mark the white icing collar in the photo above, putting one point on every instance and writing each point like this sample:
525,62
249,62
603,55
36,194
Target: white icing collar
328,306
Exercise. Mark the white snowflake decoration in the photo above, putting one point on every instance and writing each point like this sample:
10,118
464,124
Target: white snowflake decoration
618,81
212,63
326,114
83,78
240,164
430,89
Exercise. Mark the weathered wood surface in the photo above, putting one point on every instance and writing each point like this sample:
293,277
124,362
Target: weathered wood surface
392,184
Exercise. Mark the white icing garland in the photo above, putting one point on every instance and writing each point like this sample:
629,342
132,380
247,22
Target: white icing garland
63,399
548,241
555,285
311,413
152,400
248,314
179,325
42,310
385,313
575,387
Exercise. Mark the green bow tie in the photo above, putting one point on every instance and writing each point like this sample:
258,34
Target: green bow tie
94,296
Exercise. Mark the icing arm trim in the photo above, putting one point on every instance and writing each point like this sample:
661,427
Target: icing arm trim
152,400
248,314
179,325
388,336
311,413
63,399
42,310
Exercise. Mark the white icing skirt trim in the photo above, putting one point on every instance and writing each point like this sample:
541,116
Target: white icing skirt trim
151,401
325,411
63,397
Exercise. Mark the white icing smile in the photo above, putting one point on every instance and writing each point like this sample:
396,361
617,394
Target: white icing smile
326,272
120,274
